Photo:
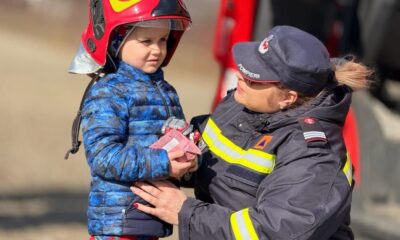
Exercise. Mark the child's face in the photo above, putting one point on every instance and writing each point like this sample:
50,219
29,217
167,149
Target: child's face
145,48
259,97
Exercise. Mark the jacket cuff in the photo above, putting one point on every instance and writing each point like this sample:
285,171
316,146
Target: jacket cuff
184,216
156,164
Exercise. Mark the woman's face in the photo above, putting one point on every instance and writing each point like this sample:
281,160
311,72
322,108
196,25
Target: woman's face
260,97
146,48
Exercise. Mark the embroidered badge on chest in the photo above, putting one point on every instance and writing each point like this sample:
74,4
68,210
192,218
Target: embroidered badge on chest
263,142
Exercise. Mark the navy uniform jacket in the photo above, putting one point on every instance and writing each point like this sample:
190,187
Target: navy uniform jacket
122,115
273,176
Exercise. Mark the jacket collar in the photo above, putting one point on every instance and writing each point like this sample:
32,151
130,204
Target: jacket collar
133,72
331,105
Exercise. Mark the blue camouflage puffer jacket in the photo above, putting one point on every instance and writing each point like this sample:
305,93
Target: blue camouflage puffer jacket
122,115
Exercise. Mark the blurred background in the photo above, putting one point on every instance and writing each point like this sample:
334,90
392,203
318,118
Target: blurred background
44,197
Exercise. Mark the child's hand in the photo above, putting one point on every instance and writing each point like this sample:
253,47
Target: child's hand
177,167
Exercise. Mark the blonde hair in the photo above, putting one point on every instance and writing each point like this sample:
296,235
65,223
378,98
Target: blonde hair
352,74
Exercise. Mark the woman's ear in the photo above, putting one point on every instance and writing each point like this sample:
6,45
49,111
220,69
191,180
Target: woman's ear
290,98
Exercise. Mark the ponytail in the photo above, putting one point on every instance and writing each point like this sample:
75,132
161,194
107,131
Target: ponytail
352,74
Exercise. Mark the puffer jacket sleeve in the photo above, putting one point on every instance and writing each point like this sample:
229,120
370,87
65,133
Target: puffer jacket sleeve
307,196
105,134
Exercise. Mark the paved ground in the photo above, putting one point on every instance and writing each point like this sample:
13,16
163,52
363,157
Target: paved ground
43,196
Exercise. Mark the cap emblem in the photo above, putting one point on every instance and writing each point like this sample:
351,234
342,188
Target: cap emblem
264,45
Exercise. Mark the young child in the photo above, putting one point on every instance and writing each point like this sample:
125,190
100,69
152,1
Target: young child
123,111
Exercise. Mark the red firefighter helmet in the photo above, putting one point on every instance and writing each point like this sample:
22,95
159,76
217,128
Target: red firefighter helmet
106,15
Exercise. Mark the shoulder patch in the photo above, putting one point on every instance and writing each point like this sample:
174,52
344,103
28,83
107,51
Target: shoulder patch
263,142
312,130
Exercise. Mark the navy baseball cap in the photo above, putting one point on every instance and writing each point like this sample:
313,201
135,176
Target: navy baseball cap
287,55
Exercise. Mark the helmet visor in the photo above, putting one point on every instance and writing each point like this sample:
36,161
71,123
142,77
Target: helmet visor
172,24
122,33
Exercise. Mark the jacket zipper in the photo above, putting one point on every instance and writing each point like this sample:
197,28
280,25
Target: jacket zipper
163,99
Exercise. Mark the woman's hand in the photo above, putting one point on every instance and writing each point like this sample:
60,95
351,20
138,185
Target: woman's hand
166,198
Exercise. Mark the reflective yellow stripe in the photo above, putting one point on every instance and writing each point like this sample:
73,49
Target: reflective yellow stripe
235,227
348,170
224,148
242,226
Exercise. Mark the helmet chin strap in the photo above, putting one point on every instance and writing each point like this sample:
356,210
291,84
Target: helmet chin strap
118,38
129,32
111,65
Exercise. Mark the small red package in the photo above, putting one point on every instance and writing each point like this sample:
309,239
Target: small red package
174,140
